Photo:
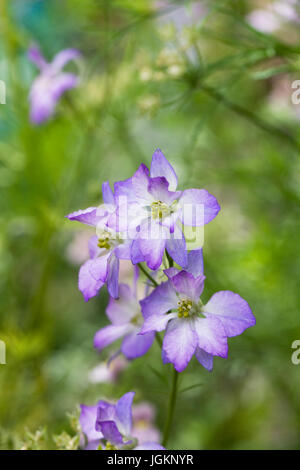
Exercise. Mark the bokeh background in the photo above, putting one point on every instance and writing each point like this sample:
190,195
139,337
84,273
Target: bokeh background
209,82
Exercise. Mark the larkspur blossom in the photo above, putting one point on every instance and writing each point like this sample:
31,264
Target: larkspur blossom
151,211
106,248
191,327
52,82
126,321
112,426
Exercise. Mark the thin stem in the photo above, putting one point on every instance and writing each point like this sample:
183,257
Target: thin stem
171,408
153,281
170,260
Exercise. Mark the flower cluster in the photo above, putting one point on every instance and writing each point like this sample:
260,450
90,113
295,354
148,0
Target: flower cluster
143,220
115,427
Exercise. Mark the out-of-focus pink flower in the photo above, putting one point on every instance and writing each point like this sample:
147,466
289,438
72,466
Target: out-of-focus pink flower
78,251
274,16
108,372
144,430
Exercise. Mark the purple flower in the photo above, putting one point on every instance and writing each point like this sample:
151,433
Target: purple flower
151,211
105,248
191,327
52,82
143,428
126,322
111,425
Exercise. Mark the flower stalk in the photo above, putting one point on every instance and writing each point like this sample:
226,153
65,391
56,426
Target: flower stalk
171,408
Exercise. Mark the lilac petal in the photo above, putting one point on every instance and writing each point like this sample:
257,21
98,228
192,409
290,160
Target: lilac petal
185,283
87,420
105,412
94,249
180,343
162,299
109,334
134,345
194,202
205,359
123,251
233,311
150,446
113,276
140,182
63,57
124,413
124,189
211,336
195,263
107,194
161,167
99,268
87,284
111,433
89,216
61,83
158,188
156,323
176,247
121,311
35,55
136,255
171,272
152,242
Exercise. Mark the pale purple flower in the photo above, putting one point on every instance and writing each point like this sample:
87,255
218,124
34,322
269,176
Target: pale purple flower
152,212
108,372
143,429
51,83
105,248
126,321
111,426
191,327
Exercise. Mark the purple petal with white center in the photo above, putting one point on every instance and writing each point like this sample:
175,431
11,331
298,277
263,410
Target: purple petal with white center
156,323
135,345
161,167
87,420
185,283
109,334
159,189
113,276
199,207
110,432
63,57
90,216
149,446
205,359
195,263
124,413
211,336
87,284
162,299
176,247
35,55
107,194
140,182
180,343
121,311
233,311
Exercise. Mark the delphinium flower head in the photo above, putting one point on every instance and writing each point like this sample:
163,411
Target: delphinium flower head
106,248
192,327
151,211
51,83
112,426
126,321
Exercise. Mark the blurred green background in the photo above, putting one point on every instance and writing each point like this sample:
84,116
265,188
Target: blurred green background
211,88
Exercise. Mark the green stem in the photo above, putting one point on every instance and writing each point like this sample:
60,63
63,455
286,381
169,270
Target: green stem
153,281
171,408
